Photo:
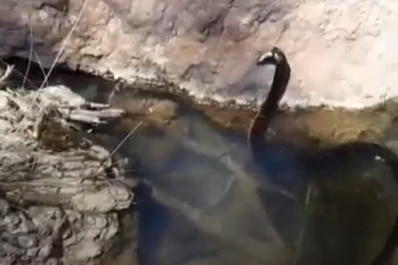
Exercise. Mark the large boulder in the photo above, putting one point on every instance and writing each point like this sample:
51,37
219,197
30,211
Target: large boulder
342,52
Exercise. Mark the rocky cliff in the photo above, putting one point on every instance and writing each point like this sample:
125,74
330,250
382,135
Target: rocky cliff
341,51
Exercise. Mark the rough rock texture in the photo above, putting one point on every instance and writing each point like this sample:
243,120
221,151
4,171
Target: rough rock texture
60,193
50,235
342,52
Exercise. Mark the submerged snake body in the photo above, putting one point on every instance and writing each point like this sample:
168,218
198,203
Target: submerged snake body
311,164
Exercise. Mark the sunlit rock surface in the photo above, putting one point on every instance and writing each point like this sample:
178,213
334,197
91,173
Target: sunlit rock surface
342,52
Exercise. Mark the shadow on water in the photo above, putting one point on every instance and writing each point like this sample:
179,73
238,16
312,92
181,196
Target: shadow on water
201,203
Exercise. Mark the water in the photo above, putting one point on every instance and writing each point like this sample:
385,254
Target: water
206,204
192,179
205,213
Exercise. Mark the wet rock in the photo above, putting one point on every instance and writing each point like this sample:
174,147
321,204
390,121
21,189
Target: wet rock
210,52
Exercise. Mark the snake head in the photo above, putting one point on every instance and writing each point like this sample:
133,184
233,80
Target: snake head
274,56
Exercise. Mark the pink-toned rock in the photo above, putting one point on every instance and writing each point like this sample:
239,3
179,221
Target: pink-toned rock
342,52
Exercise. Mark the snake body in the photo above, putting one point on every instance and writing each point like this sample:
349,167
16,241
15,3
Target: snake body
311,163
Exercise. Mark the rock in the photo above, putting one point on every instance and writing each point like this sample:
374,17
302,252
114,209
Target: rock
45,250
4,207
6,261
342,53
84,237
89,235
58,203
26,241
89,249
104,200
11,221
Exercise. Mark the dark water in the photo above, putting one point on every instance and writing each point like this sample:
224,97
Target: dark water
204,203
207,213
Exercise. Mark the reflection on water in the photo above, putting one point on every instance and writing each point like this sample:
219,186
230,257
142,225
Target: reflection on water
205,205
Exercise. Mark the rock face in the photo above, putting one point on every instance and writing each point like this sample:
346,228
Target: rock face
60,196
342,52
